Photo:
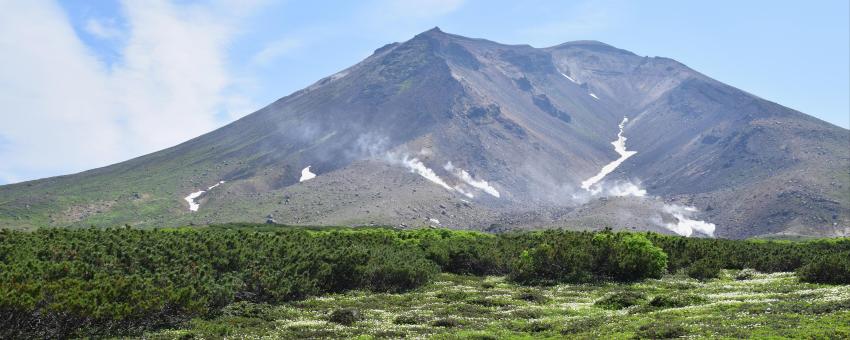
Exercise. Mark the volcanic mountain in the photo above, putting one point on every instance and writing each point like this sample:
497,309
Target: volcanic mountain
467,133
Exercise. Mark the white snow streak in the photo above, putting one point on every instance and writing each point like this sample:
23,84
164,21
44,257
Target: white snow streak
685,226
306,174
620,148
193,206
467,178
594,96
568,77
215,185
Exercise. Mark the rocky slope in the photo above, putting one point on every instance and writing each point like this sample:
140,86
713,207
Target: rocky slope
468,133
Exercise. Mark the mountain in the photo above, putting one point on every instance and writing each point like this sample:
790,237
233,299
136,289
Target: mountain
468,133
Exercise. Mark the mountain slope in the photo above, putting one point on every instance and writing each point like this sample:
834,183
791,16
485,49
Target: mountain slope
468,133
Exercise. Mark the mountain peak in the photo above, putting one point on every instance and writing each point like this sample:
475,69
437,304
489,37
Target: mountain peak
592,45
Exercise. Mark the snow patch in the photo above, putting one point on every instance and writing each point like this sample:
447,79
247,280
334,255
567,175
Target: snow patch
306,174
620,149
684,225
191,199
193,206
434,220
593,95
568,77
467,178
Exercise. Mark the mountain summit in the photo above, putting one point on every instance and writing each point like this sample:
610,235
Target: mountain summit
468,133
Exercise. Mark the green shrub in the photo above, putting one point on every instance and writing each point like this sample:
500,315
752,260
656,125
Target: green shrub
410,319
531,296
746,274
831,269
446,322
620,300
345,316
628,256
704,269
675,301
584,257
661,330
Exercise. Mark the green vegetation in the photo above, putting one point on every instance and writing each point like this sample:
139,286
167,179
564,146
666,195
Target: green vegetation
767,306
321,282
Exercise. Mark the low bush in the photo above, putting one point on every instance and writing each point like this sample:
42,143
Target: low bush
61,283
345,316
620,300
746,274
661,330
584,257
531,296
446,322
704,269
410,319
675,301
831,269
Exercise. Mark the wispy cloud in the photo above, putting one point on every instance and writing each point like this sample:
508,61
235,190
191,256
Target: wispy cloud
421,8
64,111
576,20
274,50
103,29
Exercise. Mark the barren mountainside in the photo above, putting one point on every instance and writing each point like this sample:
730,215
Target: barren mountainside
467,133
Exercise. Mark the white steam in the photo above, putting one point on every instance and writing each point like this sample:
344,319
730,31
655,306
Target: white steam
686,226
467,178
193,206
620,148
416,166
618,189
306,174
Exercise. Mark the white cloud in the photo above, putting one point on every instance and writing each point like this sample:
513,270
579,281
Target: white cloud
422,8
274,50
582,20
64,111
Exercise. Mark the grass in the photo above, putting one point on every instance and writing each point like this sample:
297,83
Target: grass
469,307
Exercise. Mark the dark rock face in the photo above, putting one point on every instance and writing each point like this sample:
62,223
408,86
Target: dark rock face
502,137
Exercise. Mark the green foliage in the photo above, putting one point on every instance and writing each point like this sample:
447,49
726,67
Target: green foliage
620,300
583,257
704,269
675,301
345,316
661,330
746,274
59,283
833,268
763,256
628,257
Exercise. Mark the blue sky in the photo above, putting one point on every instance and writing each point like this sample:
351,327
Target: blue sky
89,83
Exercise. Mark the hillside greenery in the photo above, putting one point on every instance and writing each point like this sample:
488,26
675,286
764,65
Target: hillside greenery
125,281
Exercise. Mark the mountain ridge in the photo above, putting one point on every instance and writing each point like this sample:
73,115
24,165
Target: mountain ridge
528,123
